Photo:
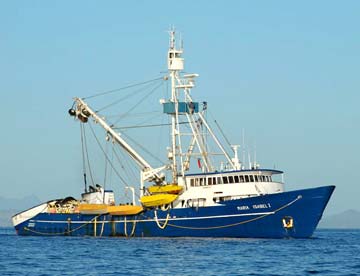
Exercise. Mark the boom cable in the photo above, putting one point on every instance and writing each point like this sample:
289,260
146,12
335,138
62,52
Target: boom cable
136,104
121,88
126,97
86,153
221,131
107,158
144,126
144,149
83,155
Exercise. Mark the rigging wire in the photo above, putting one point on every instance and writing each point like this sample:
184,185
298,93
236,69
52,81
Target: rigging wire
87,154
131,177
144,149
83,155
127,96
139,102
121,88
134,115
221,131
112,160
106,167
144,126
160,137
150,118
107,158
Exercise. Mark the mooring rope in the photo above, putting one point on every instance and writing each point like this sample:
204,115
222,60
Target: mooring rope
132,230
61,233
223,226
157,220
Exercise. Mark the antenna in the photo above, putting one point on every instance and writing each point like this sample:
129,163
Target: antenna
172,37
255,164
181,42
243,147
249,160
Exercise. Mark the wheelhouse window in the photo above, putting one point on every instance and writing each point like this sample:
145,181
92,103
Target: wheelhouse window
236,178
201,181
225,180
196,182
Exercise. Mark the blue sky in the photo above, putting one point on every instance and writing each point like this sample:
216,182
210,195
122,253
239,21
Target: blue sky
286,72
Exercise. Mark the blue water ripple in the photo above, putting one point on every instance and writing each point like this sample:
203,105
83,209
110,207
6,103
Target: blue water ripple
330,252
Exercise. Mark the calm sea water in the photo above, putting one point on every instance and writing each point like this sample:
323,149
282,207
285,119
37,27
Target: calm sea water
329,252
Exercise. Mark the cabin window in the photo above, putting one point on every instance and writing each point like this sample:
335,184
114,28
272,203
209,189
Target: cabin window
231,179
241,178
225,180
246,178
214,180
201,181
171,55
251,178
270,178
196,182
218,180
209,181
236,179
256,178
192,182
196,202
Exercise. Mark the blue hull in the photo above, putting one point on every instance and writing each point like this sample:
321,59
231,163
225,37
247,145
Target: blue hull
254,217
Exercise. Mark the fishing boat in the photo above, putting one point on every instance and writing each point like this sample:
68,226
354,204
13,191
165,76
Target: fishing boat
202,189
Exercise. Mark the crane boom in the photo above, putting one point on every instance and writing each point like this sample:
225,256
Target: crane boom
83,111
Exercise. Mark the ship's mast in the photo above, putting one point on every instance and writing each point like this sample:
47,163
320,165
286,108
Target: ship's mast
175,65
187,107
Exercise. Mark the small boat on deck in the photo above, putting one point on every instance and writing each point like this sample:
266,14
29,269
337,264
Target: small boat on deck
157,199
169,189
124,210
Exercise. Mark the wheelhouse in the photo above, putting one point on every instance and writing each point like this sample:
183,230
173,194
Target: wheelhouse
233,177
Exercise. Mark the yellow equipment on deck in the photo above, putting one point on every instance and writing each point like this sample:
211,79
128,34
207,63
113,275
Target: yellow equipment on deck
100,209
91,209
124,210
157,199
170,189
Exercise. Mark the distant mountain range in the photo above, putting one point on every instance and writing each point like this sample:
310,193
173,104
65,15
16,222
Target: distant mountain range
9,207
349,219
